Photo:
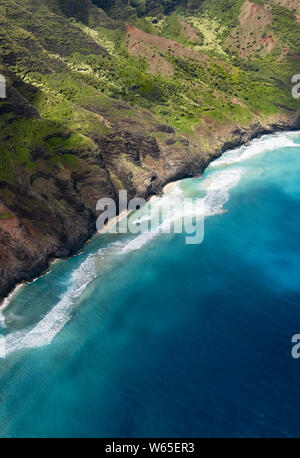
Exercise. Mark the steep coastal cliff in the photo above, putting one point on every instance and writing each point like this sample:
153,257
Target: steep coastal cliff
110,95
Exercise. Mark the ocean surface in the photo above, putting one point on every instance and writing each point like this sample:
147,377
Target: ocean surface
145,336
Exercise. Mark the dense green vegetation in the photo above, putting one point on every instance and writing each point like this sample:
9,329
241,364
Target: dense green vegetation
75,60
105,95
285,26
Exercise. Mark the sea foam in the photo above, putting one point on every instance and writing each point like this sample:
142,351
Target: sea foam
46,329
256,147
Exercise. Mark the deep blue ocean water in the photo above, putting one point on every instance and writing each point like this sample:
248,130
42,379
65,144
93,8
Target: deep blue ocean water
150,337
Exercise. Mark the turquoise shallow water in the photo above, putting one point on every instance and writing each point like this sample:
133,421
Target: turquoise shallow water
147,336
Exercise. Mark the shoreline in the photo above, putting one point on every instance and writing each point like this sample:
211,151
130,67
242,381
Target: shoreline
168,186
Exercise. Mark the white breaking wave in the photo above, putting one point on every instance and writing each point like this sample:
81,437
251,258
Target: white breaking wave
139,241
6,303
173,188
256,147
293,134
218,190
44,332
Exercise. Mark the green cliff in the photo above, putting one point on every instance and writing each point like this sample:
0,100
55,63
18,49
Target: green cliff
115,94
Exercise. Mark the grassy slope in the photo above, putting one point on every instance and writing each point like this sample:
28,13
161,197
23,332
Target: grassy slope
69,67
71,61
90,93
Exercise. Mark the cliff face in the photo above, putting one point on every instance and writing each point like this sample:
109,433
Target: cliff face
97,103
